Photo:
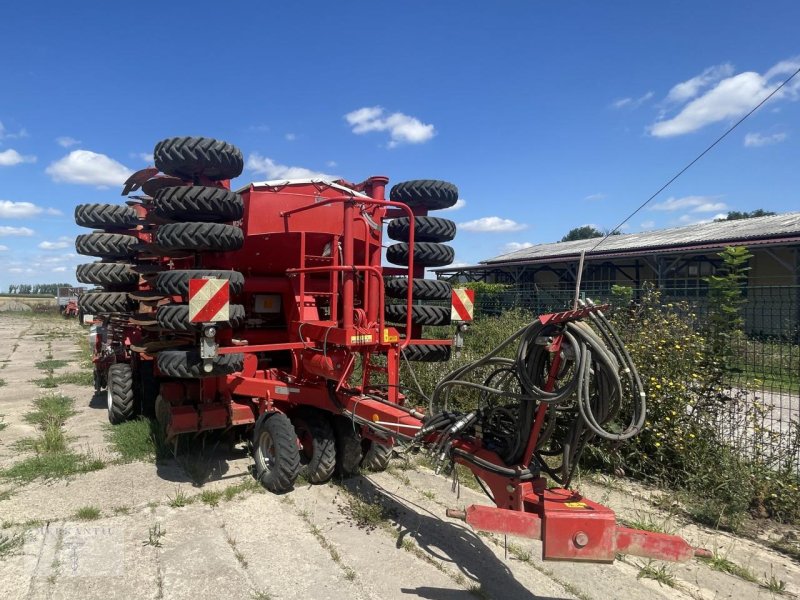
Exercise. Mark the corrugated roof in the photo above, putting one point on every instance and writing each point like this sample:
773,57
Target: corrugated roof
706,234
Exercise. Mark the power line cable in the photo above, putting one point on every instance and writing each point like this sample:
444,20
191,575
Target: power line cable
701,155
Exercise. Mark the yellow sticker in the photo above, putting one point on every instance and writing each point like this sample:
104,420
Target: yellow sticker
388,338
576,505
364,338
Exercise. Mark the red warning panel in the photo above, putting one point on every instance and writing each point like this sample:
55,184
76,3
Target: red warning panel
463,304
209,300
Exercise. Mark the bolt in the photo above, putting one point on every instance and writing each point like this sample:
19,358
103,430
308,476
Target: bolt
580,539
510,488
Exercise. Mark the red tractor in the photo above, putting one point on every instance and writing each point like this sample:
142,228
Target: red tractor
264,311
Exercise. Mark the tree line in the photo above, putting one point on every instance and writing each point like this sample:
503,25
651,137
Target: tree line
27,289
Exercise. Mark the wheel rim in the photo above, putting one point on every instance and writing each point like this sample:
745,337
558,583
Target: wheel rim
265,452
109,397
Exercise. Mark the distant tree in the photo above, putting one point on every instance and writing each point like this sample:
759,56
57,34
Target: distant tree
736,215
582,233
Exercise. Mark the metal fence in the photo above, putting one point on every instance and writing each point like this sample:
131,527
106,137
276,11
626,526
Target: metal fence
764,371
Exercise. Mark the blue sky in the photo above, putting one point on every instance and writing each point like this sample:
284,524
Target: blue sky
546,115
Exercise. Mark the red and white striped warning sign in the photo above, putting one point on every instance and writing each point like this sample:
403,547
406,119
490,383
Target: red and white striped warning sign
209,300
463,303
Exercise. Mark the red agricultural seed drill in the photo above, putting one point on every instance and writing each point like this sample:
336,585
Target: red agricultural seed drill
264,312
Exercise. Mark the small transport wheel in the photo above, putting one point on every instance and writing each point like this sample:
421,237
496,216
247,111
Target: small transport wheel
348,446
176,283
426,229
425,193
426,353
377,456
200,237
317,445
199,203
187,364
106,245
276,453
190,157
420,315
119,394
422,289
105,216
426,254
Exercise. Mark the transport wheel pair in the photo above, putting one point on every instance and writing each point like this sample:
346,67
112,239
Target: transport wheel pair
120,394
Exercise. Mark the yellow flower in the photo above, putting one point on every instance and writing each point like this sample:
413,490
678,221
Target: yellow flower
658,444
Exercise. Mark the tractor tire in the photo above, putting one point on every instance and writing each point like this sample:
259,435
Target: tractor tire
426,353
175,317
426,254
176,283
198,203
119,393
349,451
425,193
190,157
376,458
276,454
100,303
200,237
105,216
420,315
107,274
426,229
422,289
318,451
106,245
187,364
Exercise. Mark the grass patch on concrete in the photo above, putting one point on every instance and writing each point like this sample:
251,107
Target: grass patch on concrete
3,424
659,573
51,364
10,544
73,378
721,563
2,382
88,513
154,535
180,499
211,497
52,466
137,440
51,409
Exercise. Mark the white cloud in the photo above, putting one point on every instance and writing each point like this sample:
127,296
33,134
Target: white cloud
756,140
331,164
18,210
7,231
514,246
63,242
596,197
290,137
402,128
7,135
59,269
648,224
492,224
458,205
686,90
632,102
66,141
88,168
729,98
146,157
697,204
10,157
3,248
261,164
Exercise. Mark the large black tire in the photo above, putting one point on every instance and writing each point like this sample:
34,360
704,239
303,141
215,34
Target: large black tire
199,203
189,157
420,315
175,317
107,274
422,289
426,229
199,237
426,254
318,451
276,453
187,364
376,458
176,283
106,245
105,216
349,451
425,193
119,394
102,303
426,353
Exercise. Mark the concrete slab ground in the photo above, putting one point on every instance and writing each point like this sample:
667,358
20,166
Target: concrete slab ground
155,536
